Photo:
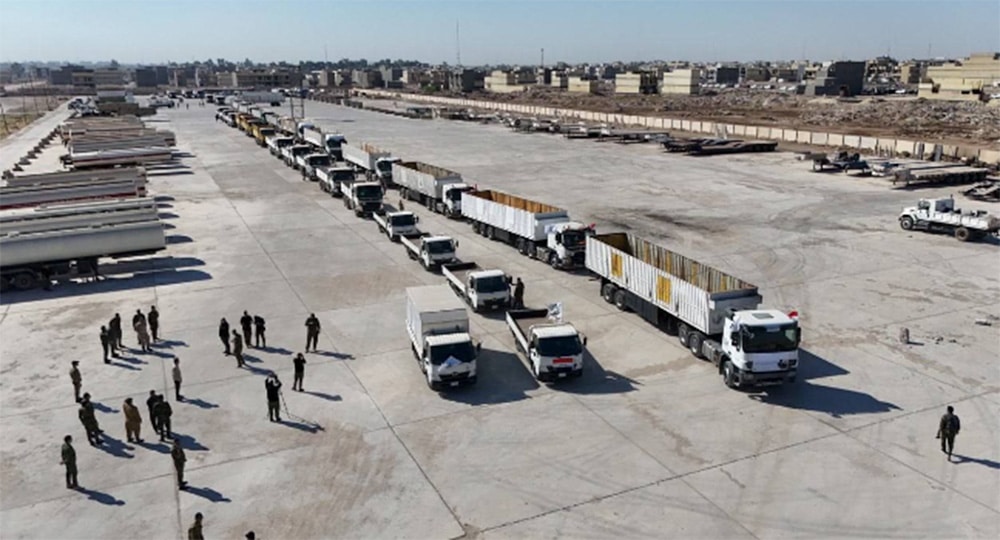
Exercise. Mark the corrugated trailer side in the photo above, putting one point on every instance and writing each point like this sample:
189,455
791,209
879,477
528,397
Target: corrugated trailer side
511,213
695,293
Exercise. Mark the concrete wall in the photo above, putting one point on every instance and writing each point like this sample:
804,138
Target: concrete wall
836,140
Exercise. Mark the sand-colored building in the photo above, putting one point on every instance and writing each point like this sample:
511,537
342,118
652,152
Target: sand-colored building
963,81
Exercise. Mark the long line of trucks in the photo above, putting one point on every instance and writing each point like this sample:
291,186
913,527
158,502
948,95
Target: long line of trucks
537,230
437,188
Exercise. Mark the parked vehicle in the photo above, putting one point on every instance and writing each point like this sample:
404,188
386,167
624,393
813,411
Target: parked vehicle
554,349
438,326
395,223
261,132
331,143
537,230
940,215
311,163
714,315
364,198
291,153
431,251
438,189
481,288
332,178
273,99
31,258
375,163
276,143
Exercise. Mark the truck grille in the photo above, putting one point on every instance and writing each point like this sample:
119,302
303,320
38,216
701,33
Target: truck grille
455,376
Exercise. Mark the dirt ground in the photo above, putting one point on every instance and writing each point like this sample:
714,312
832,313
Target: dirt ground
903,116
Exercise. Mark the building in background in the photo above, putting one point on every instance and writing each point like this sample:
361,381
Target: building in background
639,82
466,80
973,78
725,75
367,78
145,78
838,79
680,81
580,85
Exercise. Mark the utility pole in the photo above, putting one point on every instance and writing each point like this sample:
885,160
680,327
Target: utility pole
458,47
543,58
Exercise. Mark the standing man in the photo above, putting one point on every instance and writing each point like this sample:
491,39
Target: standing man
69,460
138,319
89,420
273,387
519,294
246,321
194,532
105,343
177,379
312,331
238,348
151,405
154,322
947,429
163,413
177,453
259,323
143,335
77,378
133,421
224,334
115,329
300,371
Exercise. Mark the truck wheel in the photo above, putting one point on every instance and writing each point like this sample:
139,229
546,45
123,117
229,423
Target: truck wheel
608,292
553,260
694,343
728,374
620,300
493,233
23,281
906,223
520,246
682,334
962,234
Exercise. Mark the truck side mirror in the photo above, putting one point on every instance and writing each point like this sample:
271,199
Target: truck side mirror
479,347
585,340
735,340
456,243
416,219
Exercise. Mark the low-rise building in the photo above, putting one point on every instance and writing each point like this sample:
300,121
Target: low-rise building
641,82
367,78
580,85
838,79
466,80
680,81
967,80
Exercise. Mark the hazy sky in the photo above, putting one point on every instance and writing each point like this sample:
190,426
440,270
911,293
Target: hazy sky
151,31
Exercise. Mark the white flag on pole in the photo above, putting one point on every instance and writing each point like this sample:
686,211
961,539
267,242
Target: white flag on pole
556,312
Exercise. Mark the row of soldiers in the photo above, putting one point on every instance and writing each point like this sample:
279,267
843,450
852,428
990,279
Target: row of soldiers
146,327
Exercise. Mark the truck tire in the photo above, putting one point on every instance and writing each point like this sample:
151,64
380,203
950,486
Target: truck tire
554,260
608,292
520,246
728,374
492,233
695,339
23,281
682,334
620,300
962,234
906,223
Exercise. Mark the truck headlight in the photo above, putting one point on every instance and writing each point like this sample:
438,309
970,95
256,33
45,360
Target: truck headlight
749,365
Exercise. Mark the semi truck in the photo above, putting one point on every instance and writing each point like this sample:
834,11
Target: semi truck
535,229
940,215
554,349
439,189
332,178
331,143
481,288
396,223
34,258
273,99
438,326
715,315
430,251
363,198
375,163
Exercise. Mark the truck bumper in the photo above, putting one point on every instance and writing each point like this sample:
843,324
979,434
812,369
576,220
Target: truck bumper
769,378
494,304
453,382
560,373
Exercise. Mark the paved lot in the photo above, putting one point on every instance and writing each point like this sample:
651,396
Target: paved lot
648,444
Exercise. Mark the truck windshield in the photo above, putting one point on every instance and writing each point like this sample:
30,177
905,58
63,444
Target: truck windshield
439,247
573,239
343,175
384,166
492,284
404,220
334,144
369,192
455,194
463,352
764,340
319,161
301,150
560,346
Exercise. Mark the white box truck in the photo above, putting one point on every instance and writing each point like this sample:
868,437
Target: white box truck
537,230
481,288
554,349
438,326
374,162
439,189
714,315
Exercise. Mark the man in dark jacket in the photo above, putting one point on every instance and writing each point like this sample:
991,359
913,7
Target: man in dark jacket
154,322
259,327
519,294
115,329
312,331
89,420
224,334
273,387
948,427
246,321
163,412
151,405
105,343
69,460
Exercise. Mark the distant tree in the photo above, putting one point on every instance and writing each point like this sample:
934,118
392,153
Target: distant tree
114,64
16,70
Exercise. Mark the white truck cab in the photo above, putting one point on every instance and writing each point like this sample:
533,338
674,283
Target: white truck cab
567,244
396,224
554,349
438,327
431,251
941,215
452,195
482,288
759,347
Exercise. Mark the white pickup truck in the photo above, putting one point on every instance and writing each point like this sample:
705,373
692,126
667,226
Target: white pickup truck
333,177
481,288
276,143
554,349
438,326
395,223
431,251
940,215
